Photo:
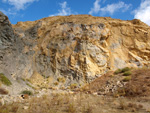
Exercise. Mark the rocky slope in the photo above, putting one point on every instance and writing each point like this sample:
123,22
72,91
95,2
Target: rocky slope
77,48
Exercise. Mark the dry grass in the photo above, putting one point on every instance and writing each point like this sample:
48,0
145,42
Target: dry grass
73,103
73,86
133,97
61,79
139,85
71,108
137,82
12,108
97,84
56,83
126,79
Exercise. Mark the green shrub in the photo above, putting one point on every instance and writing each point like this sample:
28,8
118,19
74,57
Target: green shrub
118,71
5,80
127,73
122,70
126,79
125,69
27,92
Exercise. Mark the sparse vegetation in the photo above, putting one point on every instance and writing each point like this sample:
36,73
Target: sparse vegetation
118,71
44,76
56,83
4,110
87,101
73,103
30,86
139,85
71,108
23,79
87,109
5,80
119,92
61,79
27,92
127,73
122,105
126,79
84,88
123,70
73,86
133,107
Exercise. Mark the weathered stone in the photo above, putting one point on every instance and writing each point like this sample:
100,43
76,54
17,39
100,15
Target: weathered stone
6,32
77,47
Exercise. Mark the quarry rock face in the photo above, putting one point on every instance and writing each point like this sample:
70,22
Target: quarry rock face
6,32
77,47
7,39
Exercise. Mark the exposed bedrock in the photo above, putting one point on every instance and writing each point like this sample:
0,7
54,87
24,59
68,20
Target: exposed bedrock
77,47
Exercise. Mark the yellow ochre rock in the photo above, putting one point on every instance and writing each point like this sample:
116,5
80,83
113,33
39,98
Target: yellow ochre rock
81,47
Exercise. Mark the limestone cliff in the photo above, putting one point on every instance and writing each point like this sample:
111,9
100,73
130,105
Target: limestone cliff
76,47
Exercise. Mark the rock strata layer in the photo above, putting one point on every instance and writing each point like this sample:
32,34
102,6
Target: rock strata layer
77,47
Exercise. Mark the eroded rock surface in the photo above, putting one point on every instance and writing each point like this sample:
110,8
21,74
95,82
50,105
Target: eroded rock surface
77,47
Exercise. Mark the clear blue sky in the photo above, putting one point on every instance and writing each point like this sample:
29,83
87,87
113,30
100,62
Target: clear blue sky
30,10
